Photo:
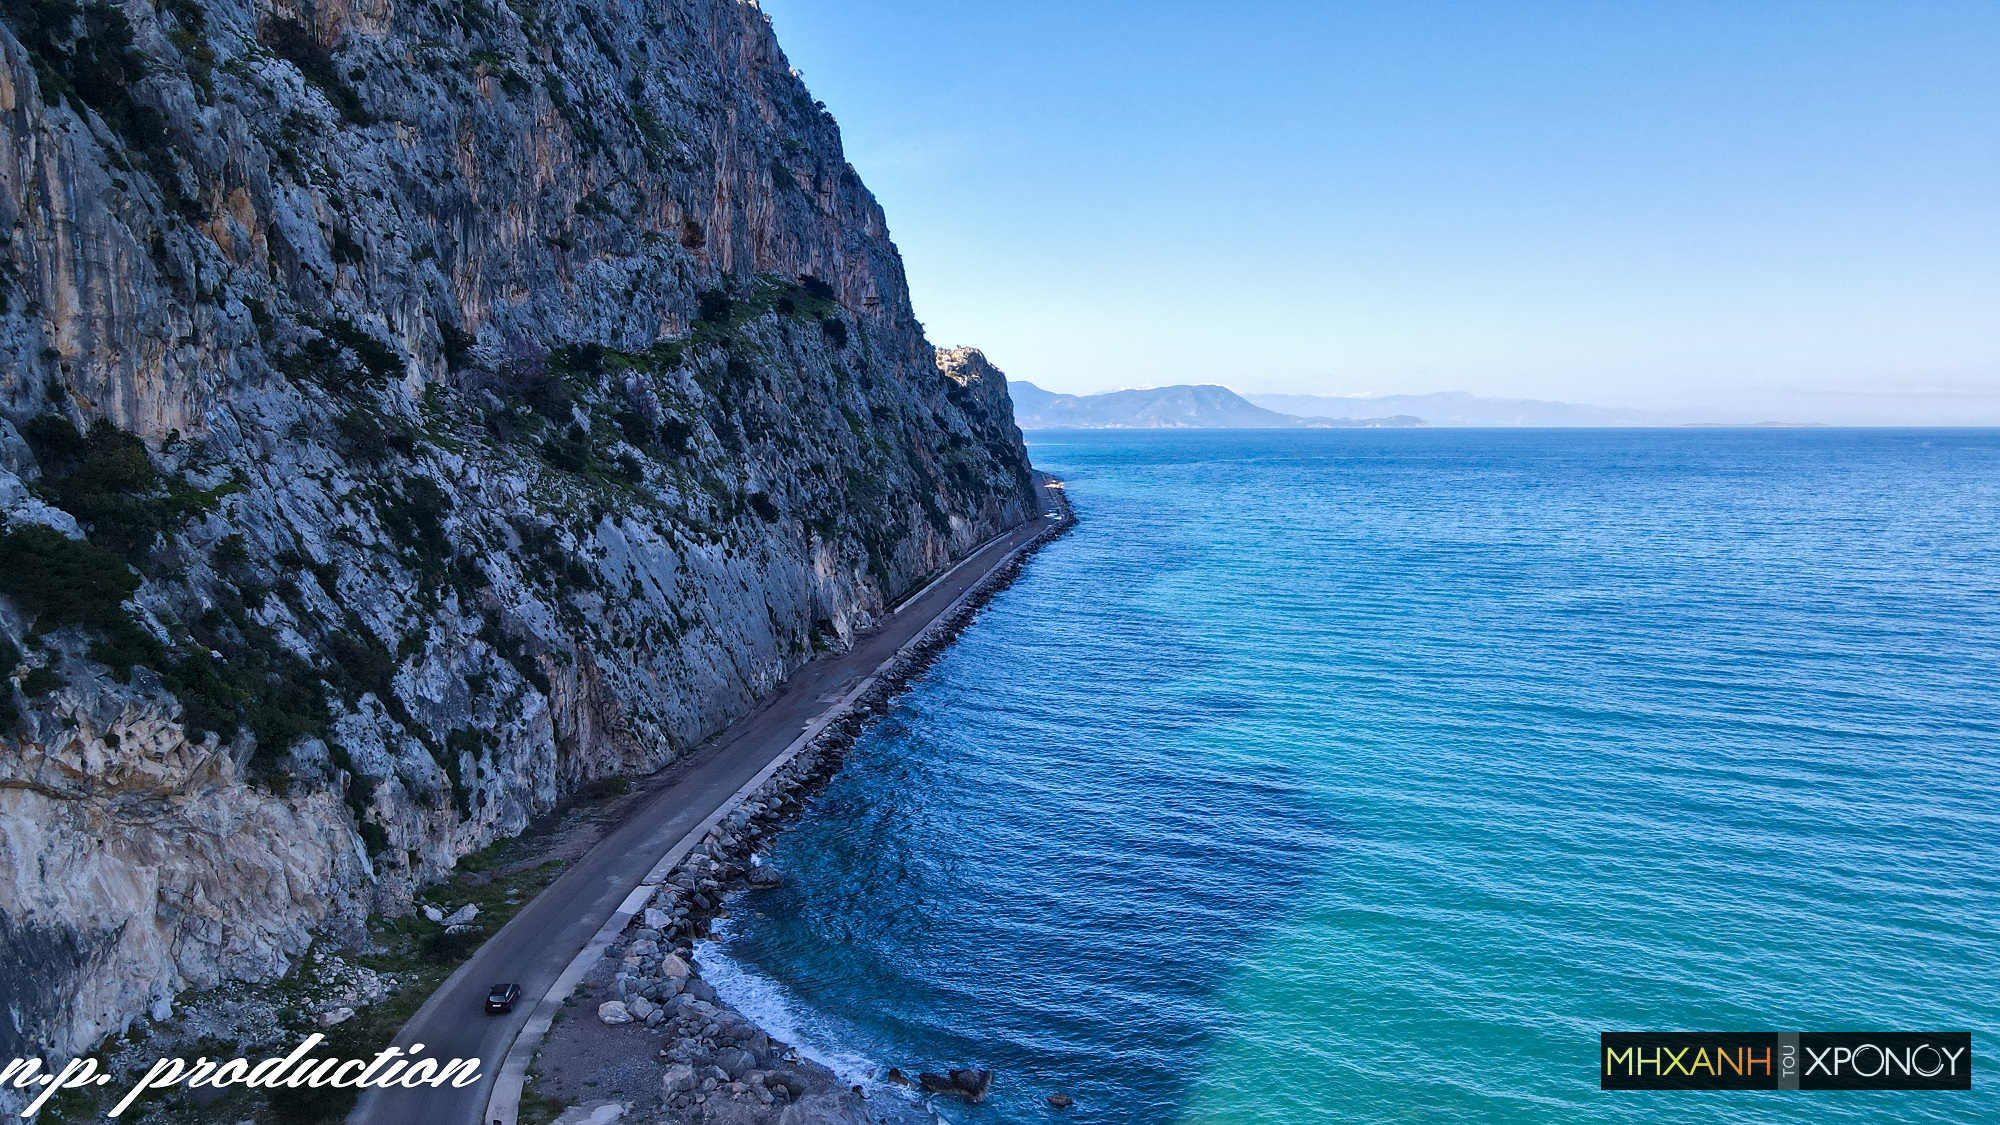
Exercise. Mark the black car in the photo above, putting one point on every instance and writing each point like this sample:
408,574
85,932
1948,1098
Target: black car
502,998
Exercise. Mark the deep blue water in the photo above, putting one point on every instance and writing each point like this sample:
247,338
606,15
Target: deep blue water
1349,776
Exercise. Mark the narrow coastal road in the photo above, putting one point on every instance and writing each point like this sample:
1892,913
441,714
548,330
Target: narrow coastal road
534,947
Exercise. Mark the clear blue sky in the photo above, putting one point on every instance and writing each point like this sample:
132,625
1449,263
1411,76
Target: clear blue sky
1778,208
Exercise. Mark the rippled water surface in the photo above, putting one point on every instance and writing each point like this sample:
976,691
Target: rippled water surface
1348,776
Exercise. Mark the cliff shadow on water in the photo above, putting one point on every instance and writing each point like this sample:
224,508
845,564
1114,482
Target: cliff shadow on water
410,415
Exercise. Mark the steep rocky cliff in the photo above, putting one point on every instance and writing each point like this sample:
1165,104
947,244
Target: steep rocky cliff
410,412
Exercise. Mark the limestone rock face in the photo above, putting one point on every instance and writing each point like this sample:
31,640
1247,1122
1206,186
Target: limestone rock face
408,415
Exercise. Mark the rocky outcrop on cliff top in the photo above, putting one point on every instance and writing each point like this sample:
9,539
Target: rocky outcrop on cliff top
409,413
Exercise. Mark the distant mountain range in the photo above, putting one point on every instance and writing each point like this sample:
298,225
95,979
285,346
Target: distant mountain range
1159,408
1457,408
1211,407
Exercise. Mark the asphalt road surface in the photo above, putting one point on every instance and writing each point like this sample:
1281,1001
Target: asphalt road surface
539,942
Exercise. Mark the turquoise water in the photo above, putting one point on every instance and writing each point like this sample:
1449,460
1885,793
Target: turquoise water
1368,775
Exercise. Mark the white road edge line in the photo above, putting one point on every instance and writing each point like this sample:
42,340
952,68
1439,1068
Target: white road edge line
503,1105
919,595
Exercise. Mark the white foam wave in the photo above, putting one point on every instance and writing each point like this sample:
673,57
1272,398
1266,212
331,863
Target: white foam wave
770,1006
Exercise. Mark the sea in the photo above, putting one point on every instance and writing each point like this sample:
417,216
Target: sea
1368,775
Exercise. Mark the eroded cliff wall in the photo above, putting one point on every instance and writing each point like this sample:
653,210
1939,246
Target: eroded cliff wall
410,412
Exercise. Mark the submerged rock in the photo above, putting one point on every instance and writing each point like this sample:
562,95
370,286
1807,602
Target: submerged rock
973,1082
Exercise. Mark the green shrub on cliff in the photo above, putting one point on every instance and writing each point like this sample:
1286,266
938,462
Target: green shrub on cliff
714,306
296,44
107,481
248,681
41,681
377,358
835,331
61,581
10,658
414,515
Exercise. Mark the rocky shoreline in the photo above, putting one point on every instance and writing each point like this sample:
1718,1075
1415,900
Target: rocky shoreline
646,1039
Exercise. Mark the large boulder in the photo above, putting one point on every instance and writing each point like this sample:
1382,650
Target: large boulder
735,1061
679,1079
973,1082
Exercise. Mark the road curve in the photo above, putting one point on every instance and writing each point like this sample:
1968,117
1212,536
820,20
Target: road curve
540,941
